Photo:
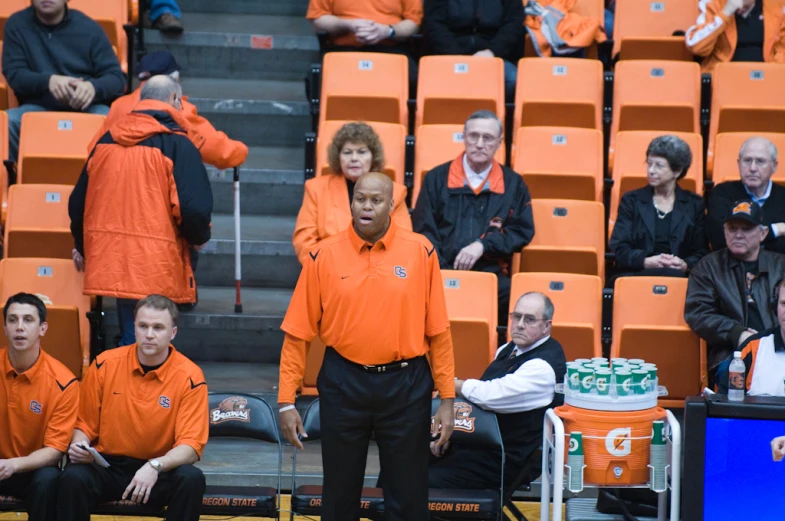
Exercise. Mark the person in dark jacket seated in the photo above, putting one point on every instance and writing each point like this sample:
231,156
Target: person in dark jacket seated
659,229
55,58
757,164
475,211
519,387
490,29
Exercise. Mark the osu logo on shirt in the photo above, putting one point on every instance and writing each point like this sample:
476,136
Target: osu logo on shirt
35,407
164,402
400,271
234,408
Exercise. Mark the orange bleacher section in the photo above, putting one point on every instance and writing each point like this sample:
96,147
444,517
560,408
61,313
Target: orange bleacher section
577,132
578,148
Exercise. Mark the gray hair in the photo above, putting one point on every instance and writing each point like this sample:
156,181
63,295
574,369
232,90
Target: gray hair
547,305
486,114
674,150
160,88
772,147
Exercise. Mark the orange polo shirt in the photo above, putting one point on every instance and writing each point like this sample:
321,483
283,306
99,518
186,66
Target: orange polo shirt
140,415
387,12
374,304
37,408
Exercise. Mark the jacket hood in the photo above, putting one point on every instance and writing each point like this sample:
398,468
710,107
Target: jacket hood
151,117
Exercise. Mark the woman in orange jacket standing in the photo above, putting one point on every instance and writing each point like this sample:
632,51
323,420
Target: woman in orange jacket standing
355,150
738,30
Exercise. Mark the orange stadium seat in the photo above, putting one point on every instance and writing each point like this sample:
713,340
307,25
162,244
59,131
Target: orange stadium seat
726,155
392,136
111,15
9,7
450,88
68,338
648,323
472,305
437,144
629,168
655,95
746,97
53,146
3,171
3,84
38,224
558,92
560,162
577,300
361,86
643,30
570,238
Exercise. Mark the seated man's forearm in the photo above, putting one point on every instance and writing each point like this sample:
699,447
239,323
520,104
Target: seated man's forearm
178,456
45,457
332,25
80,436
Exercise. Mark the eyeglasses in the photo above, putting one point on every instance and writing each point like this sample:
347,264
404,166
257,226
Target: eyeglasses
747,161
528,320
474,138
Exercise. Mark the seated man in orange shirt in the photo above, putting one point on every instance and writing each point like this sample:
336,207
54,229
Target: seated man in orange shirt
144,408
218,150
38,402
368,25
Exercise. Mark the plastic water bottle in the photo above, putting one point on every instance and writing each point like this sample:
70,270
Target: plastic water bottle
736,378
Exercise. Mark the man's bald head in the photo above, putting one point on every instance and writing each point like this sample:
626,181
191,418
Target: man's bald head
376,179
372,204
162,88
760,142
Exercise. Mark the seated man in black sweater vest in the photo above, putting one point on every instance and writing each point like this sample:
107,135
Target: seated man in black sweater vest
519,387
757,163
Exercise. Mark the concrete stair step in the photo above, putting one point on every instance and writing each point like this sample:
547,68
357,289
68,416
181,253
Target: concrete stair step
271,183
260,7
267,254
240,46
256,112
213,332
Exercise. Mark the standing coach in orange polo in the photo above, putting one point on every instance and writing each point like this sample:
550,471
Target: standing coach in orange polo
145,408
374,294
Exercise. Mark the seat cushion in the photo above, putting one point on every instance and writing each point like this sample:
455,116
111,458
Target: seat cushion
463,504
239,501
307,500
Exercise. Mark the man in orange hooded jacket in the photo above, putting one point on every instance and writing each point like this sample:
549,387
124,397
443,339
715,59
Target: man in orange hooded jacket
142,203
218,150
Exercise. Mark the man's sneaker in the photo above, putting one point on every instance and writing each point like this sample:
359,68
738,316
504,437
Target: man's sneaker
168,23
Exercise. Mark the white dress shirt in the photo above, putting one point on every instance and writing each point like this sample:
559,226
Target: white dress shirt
475,180
528,388
769,373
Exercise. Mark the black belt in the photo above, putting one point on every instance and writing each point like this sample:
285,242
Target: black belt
381,368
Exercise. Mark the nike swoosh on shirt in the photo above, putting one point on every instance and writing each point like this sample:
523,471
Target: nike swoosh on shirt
194,386
430,252
64,387
314,255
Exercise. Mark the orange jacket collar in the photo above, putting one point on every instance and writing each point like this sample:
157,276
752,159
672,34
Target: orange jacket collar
136,126
386,240
457,177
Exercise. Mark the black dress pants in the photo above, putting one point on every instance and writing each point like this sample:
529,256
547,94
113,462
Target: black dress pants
470,468
82,487
38,490
394,407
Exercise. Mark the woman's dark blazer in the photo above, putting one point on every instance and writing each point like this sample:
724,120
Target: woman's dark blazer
633,235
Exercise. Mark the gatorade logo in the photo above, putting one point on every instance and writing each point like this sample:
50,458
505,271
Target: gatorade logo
573,445
574,379
602,384
626,384
586,382
618,442
645,382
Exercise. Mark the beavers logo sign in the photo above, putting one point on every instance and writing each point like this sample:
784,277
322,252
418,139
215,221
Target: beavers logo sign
463,417
234,408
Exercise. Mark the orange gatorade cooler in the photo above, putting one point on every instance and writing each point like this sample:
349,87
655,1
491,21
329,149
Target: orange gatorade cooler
615,443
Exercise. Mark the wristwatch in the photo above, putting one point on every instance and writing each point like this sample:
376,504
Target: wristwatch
156,465
392,33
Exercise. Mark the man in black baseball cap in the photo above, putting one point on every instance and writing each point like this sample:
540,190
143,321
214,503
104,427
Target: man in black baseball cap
158,62
729,289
